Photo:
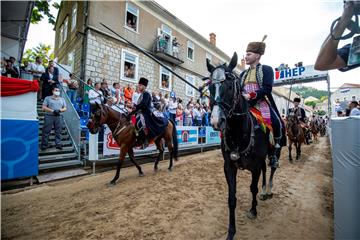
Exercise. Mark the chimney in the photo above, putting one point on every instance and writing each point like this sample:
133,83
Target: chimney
212,39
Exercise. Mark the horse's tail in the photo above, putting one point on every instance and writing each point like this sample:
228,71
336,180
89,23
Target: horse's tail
175,140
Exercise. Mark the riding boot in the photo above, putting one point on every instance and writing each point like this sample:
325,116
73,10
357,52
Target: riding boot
274,158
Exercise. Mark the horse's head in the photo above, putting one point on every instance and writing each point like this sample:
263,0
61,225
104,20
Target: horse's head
97,119
292,120
223,89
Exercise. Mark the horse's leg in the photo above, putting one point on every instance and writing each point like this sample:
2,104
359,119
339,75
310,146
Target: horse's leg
254,190
169,144
298,150
230,174
263,193
290,157
269,192
132,159
160,147
123,152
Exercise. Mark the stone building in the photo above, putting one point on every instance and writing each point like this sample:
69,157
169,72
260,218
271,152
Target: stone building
94,52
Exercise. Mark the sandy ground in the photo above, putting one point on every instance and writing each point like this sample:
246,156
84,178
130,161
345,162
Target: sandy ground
188,203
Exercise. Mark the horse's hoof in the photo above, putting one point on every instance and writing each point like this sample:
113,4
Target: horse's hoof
269,195
291,161
252,215
112,183
141,174
263,197
170,169
230,236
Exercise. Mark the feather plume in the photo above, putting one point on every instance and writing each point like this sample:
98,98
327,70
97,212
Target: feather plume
265,36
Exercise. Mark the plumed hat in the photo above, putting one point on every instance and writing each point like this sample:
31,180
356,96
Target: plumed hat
297,99
143,81
257,47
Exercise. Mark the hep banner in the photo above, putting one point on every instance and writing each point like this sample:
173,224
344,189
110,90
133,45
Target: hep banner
298,74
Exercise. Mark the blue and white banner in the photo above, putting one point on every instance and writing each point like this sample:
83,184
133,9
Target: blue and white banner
187,135
19,148
212,136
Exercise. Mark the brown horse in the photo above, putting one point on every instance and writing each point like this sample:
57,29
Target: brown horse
124,133
314,127
295,134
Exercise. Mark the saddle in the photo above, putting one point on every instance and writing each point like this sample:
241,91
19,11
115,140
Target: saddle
264,126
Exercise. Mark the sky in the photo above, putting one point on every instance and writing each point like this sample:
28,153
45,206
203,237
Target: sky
295,29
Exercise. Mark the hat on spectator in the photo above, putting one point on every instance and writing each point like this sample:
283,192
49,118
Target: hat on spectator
172,94
297,99
143,81
257,47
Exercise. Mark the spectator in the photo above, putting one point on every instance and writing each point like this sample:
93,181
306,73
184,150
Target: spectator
53,106
197,115
37,69
49,80
354,111
73,86
179,115
128,92
172,108
9,70
105,90
14,64
330,57
175,46
116,93
56,70
24,67
205,114
87,88
135,96
188,121
95,96
339,113
155,100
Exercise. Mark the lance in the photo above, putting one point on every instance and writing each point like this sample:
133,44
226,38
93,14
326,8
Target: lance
152,57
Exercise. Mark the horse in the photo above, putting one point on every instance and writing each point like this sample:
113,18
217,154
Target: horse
295,134
230,114
124,133
314,128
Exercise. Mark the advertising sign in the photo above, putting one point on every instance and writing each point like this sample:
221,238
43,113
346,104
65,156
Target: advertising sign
212,136
299,75
187,135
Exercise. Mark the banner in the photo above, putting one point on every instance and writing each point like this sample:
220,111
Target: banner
212,136
112,148
299,75
187,135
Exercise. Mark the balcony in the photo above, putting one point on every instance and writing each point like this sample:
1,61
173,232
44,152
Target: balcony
165,50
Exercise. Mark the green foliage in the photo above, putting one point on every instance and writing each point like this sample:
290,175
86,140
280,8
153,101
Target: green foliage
41,9
309,91
311,104
320,112
42,50
323,98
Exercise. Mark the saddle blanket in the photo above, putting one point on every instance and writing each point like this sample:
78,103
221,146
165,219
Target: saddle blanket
263,124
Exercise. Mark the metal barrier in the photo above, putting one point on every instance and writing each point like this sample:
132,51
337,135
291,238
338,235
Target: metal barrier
72,121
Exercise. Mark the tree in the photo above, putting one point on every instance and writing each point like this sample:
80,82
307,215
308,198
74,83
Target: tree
42,8
311,104
42,50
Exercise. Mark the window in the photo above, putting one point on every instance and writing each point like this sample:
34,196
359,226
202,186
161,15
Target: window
61,35
73,17
71,60
189,91
132,17
190,50
165,79
129,66
65,29
208,56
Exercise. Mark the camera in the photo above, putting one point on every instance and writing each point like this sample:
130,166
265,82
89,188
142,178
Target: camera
356,5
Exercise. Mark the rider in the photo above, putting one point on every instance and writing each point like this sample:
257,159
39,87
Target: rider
257,82
298,111
147,124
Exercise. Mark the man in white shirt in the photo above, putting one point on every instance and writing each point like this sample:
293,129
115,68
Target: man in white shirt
95,96
135,96
37,69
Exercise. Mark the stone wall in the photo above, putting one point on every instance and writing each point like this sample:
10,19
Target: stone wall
103,61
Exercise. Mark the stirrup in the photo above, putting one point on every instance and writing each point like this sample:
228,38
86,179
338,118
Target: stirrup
273,161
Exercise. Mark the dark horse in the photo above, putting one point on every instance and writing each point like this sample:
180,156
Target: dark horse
124,134
231,115
295,134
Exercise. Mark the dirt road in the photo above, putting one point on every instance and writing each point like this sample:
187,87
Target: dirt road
188,203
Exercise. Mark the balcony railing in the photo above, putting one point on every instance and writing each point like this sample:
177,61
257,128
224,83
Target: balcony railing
166,51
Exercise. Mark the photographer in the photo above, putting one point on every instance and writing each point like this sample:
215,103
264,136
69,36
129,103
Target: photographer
330,57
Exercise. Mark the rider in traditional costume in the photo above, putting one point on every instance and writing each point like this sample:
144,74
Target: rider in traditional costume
298,111
148,125
257,82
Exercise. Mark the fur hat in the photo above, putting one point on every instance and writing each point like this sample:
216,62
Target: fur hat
257,47
297,99
143,81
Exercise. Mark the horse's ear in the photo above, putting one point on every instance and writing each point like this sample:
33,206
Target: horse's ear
233,62
210,67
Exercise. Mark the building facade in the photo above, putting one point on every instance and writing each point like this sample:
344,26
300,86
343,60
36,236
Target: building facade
94,52
341,97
